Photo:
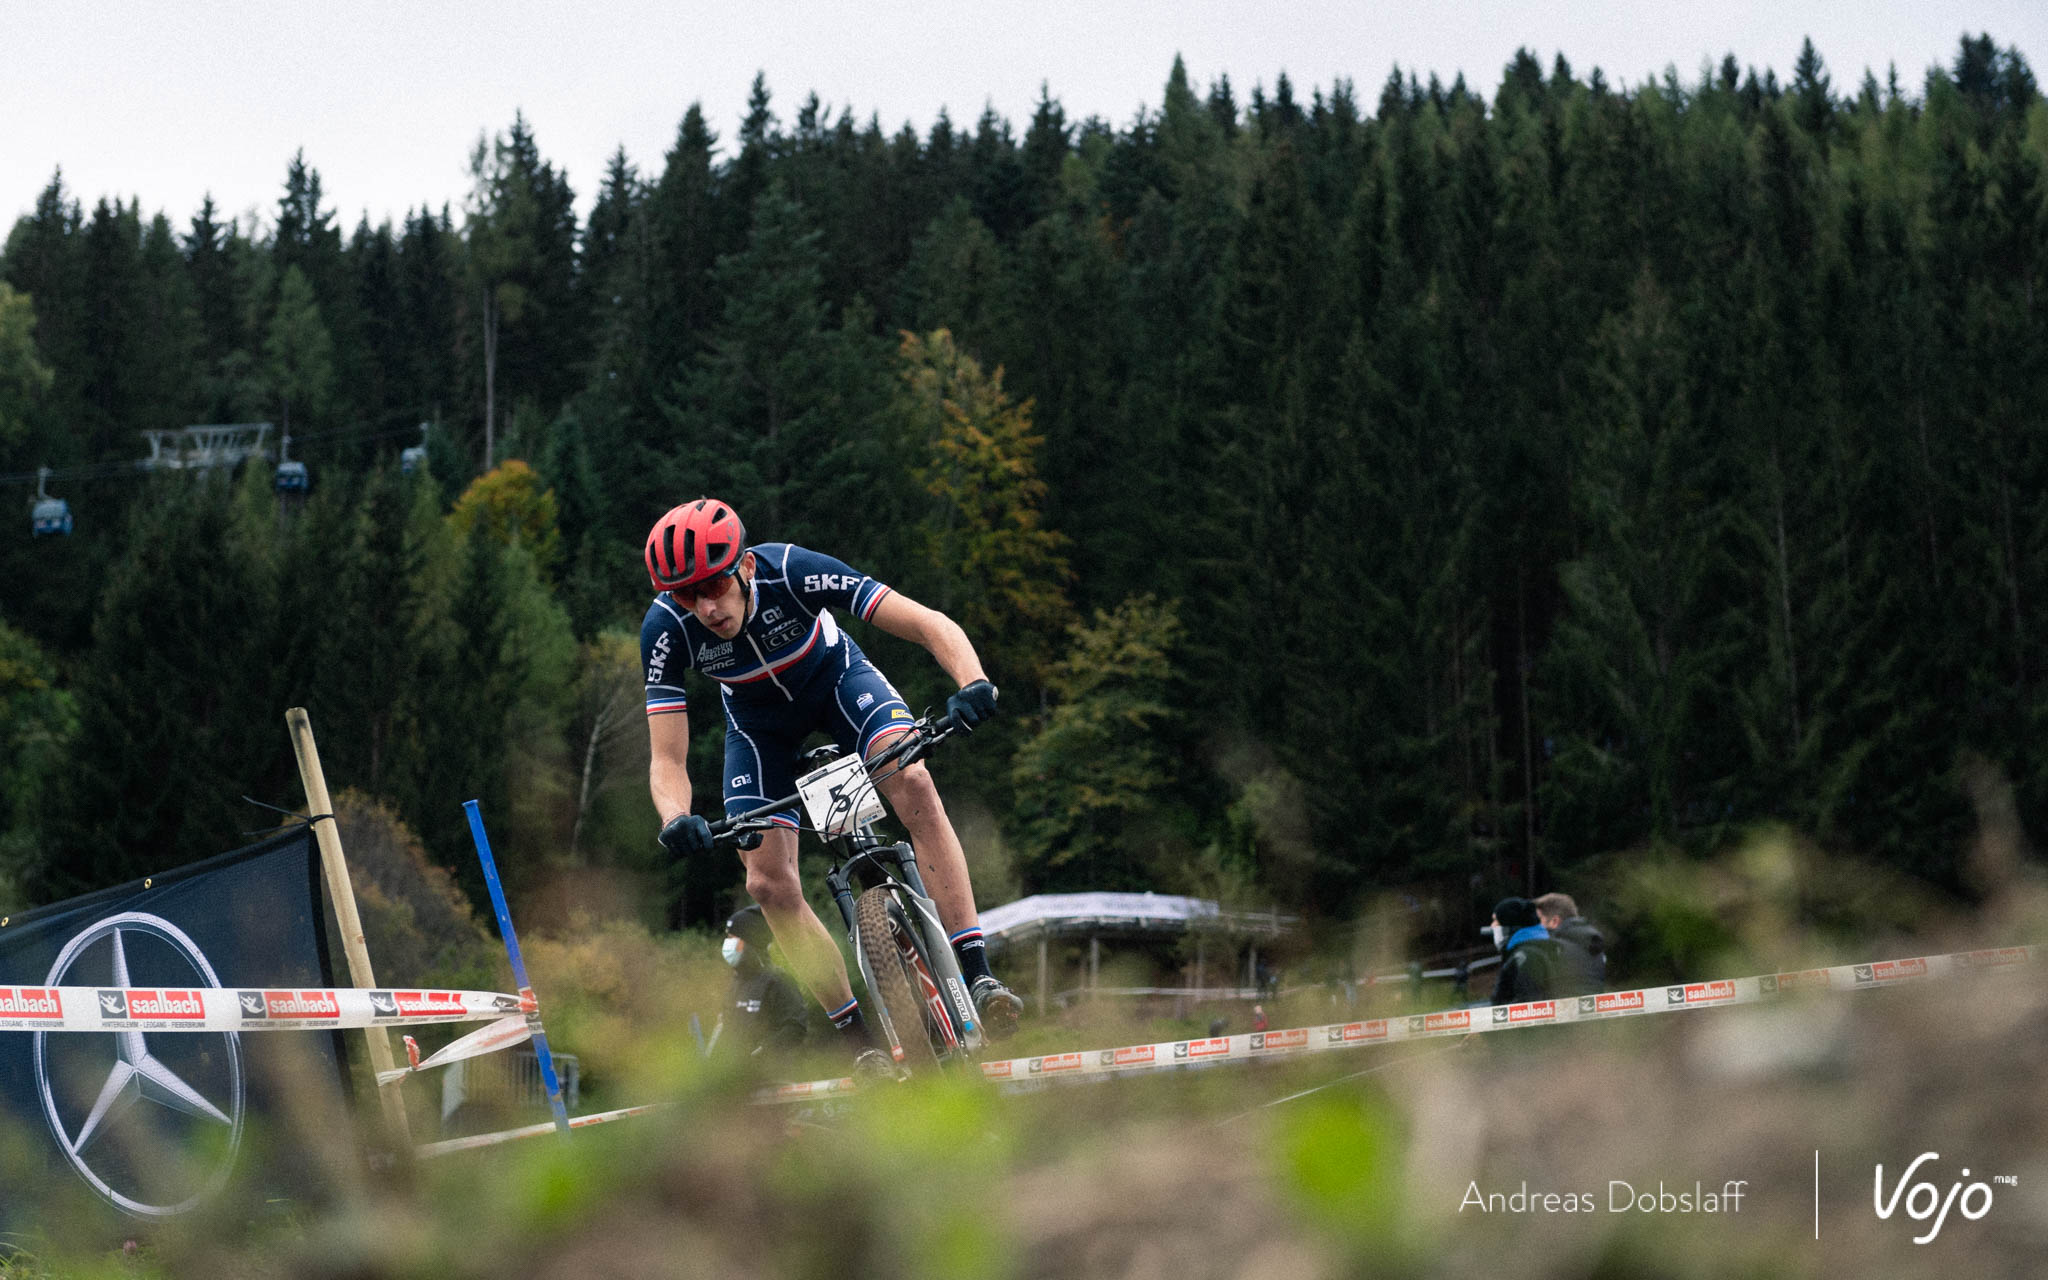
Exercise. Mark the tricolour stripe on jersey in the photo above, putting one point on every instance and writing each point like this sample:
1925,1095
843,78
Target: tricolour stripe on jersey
867,612
775,667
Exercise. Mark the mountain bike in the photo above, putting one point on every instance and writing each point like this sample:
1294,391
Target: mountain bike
917,1001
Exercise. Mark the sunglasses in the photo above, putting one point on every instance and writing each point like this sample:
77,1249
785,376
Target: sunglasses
705,588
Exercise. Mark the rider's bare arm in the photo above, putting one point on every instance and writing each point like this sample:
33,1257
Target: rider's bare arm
668,770
901,616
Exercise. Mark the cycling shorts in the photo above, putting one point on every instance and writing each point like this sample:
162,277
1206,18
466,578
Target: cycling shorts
764,740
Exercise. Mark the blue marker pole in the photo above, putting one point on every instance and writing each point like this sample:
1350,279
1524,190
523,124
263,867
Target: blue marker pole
540,1039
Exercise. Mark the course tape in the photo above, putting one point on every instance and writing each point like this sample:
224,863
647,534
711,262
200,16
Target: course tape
231,1009
512,1029
428,1150
1674,998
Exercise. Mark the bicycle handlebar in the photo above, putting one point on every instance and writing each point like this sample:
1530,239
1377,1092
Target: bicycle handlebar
736,830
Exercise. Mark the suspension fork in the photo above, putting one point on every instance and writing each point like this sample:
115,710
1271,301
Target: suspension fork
946,965
938,952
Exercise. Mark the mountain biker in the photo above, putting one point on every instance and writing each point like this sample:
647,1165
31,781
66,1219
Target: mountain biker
758,621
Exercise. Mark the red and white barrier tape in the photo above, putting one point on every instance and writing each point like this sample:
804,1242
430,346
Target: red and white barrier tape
232,1009
1675,998
428,1150
512,1029
1171,1054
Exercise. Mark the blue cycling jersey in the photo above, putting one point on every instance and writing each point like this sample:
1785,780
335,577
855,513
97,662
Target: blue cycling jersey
788,673
789,635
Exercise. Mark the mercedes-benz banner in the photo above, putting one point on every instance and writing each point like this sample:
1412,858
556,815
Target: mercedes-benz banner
128,1124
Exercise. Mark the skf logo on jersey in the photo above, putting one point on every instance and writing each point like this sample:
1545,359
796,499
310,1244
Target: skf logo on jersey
301,1004
831,581
29,1002
658,663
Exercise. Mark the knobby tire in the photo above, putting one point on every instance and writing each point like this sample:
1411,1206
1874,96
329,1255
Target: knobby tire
896,986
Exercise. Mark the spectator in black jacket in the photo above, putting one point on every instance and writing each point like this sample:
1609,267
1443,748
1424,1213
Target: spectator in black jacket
1530,968
1584,949
766,1013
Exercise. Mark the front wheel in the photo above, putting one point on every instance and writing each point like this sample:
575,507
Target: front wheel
890,953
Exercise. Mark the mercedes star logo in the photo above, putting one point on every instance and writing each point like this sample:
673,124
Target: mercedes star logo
95,1086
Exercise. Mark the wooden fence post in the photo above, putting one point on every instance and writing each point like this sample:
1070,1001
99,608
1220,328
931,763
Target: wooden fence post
343,897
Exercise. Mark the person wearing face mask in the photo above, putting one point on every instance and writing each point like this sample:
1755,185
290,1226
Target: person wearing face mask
766,1013
1530,961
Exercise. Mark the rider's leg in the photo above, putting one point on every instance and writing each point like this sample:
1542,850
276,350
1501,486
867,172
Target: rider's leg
772,881
915,799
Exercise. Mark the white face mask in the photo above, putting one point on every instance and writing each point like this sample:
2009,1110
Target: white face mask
1500,936
732,949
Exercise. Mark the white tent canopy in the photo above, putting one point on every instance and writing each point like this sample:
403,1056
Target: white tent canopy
1114,913
1095,916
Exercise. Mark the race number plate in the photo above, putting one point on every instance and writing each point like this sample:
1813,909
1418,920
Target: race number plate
840,797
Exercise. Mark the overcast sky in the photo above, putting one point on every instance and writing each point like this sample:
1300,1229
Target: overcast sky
168,101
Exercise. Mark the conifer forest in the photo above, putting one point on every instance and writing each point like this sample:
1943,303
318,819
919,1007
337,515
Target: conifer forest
1446,491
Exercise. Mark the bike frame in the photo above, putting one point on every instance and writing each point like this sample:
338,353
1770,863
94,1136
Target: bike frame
894,867
863,861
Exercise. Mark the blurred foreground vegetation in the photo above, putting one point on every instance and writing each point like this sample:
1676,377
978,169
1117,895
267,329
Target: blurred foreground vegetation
1339,1164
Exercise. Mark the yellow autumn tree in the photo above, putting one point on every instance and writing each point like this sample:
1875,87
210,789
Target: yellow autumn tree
1003,574
511,505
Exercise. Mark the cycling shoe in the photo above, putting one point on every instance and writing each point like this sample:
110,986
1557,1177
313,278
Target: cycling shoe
998,1006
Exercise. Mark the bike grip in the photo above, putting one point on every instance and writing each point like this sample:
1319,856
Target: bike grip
747,840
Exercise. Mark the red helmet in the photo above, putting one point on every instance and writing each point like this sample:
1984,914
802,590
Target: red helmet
694,541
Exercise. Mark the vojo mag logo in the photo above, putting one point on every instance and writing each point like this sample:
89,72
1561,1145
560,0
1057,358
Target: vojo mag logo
113,1099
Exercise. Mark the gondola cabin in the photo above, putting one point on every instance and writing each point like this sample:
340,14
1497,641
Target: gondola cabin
50,517
413,458
291,477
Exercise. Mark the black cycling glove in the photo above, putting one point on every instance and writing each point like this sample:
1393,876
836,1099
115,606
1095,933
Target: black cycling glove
974,704
685,834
